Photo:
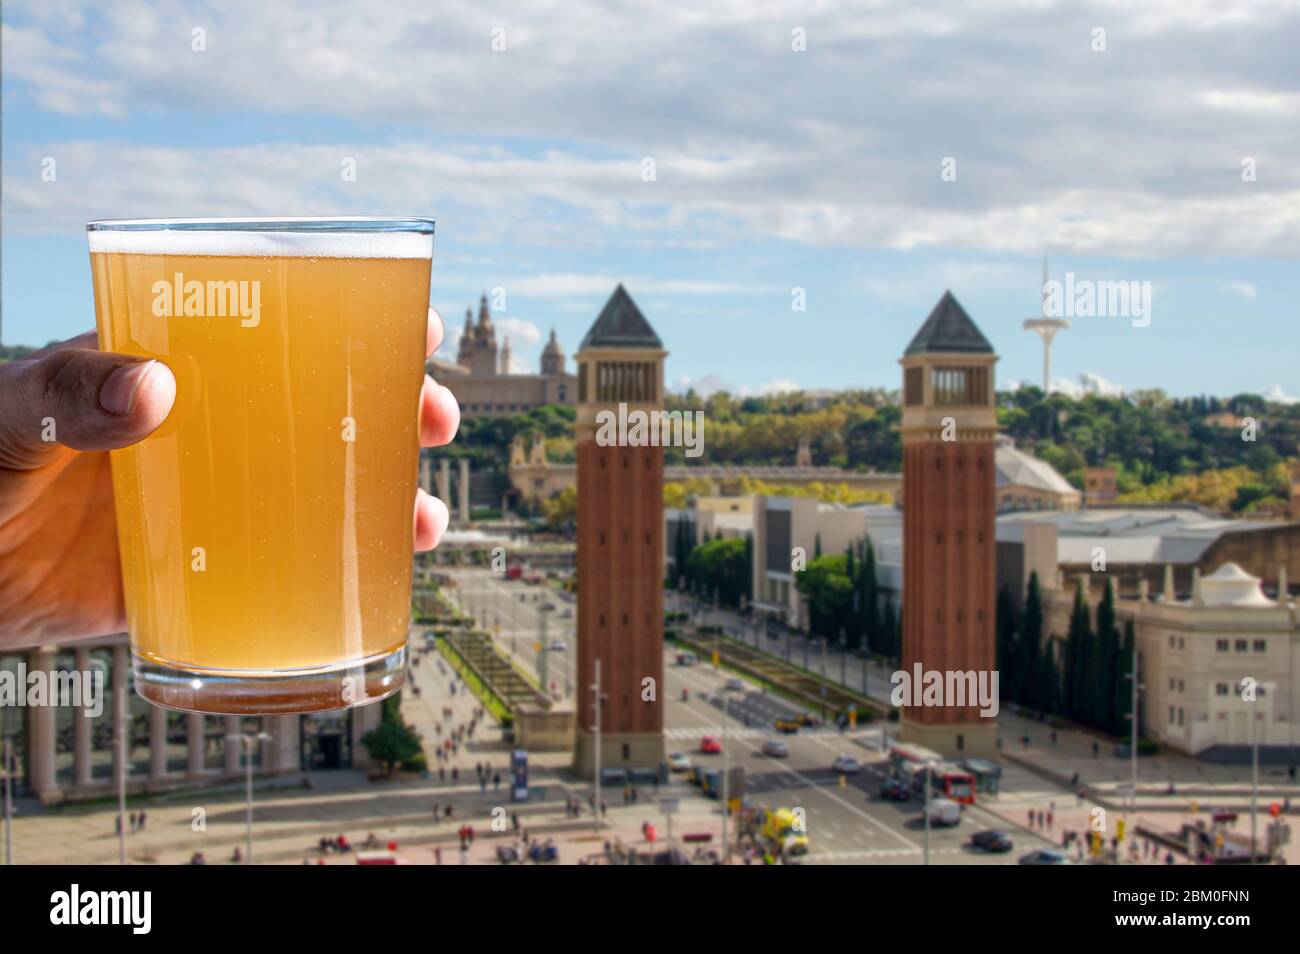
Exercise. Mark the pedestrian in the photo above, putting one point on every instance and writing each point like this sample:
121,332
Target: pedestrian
496,781
437,854
1049,820
132,822
1031,818
448,811
514,820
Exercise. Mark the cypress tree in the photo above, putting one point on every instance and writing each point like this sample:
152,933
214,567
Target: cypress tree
1031,644
1077,659
1107,664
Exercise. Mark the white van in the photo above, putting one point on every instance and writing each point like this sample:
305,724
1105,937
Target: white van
944,812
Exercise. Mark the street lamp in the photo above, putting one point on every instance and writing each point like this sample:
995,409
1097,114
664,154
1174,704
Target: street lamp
247,740
8,783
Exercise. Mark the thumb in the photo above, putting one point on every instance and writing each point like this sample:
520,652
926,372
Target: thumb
84,399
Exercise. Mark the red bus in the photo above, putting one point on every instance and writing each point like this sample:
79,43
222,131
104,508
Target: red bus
948,781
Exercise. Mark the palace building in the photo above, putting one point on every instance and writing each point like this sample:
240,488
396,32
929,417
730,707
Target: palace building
481,377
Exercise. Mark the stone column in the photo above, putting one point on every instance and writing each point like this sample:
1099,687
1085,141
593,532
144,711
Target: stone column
463,490
82,726
41,731
121,714
195,727
444,482
364,718
157,743
234,745
426,473
286,747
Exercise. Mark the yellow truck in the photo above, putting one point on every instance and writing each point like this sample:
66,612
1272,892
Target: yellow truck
781,831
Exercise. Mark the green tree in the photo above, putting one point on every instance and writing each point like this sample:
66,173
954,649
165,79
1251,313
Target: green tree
824,583
392,743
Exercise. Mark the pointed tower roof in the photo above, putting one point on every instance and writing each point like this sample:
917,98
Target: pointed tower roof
621,325
483,318
552,345
949,328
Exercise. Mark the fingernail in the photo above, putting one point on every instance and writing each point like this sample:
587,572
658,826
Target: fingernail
117,396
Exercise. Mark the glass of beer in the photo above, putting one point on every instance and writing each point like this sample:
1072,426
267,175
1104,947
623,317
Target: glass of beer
265,529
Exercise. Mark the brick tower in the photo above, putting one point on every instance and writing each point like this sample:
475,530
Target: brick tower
620,545
949,552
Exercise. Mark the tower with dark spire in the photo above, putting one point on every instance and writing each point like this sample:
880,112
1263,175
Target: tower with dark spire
620,545
949,550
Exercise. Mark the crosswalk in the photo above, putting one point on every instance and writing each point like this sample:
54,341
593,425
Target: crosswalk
876,853
699,731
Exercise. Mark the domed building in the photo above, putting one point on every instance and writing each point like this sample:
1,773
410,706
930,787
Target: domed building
481,377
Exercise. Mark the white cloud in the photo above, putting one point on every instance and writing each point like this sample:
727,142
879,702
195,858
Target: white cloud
1275,394
1246,290
1088,383
751,141
523,335
779,386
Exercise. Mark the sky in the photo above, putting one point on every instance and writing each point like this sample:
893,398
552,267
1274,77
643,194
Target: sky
726,161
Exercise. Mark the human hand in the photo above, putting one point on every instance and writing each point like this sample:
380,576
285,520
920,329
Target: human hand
62,410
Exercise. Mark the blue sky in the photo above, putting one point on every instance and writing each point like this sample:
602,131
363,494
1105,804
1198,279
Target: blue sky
775,168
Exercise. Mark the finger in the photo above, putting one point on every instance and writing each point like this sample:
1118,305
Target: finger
87,339
439,414
431,519
83,399
433,332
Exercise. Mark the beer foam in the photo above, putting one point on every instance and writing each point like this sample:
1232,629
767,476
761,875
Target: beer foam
264,244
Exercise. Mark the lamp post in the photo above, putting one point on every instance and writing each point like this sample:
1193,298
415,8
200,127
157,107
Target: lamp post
247,740
8,793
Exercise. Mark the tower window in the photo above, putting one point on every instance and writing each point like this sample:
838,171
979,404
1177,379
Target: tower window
912,381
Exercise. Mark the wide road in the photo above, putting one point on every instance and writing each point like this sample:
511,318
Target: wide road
847,823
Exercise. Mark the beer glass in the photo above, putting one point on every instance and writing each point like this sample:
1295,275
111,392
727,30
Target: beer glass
265,529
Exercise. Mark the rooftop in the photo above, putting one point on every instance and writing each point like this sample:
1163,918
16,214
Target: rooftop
949,329
620,324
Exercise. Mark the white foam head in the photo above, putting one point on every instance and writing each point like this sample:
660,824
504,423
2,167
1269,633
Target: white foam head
298,242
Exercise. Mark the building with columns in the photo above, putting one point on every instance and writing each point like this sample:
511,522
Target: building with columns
62,754
620,547
949,550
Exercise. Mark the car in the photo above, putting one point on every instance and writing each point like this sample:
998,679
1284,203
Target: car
846,765
944,813
558,645
998,842
567,614
776,748
808,720
787,726
735,684
686,659
546,608
1045,856
895,790
710,746
679,762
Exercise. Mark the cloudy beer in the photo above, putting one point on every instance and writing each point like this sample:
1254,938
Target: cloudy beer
265,529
